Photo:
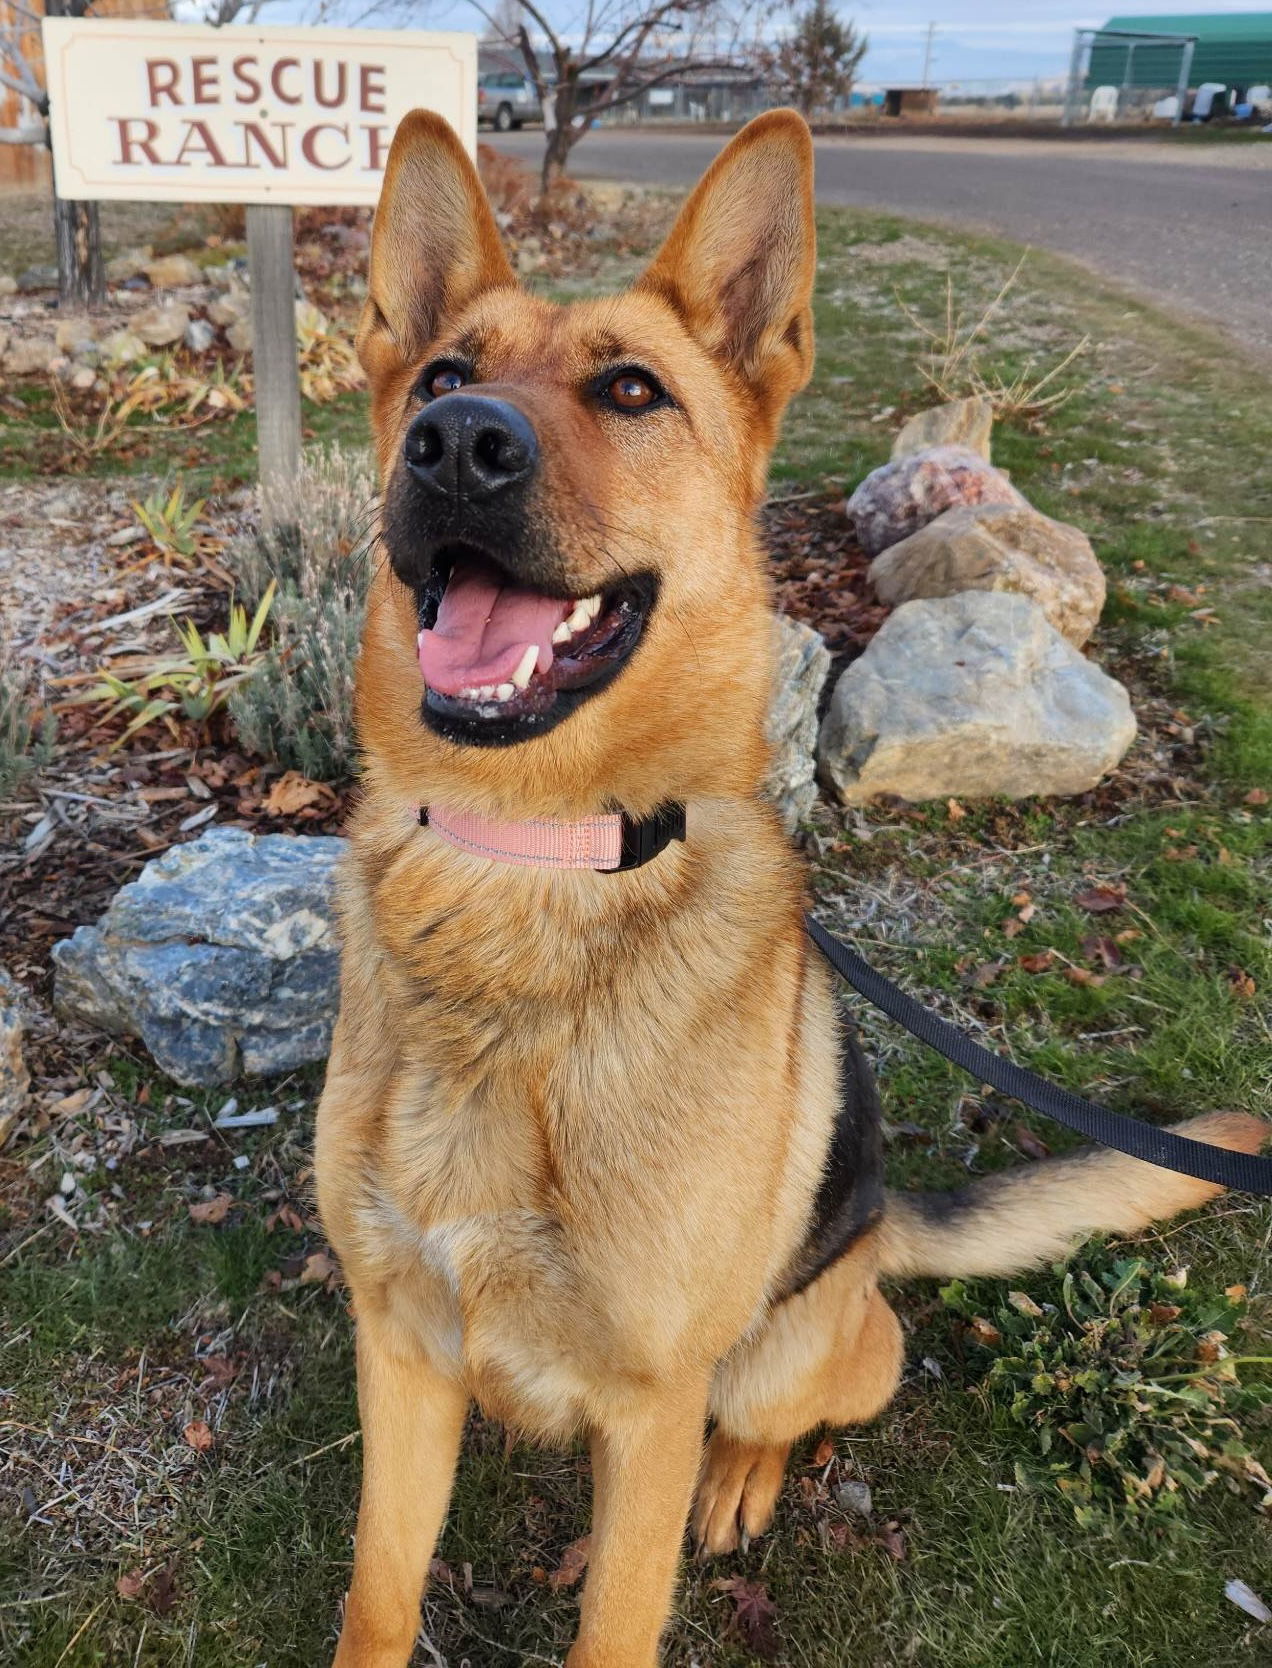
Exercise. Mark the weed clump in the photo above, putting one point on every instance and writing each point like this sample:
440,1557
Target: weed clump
298,709
1127,1381
26,740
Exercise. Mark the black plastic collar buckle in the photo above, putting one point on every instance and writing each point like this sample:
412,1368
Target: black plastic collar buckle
642,841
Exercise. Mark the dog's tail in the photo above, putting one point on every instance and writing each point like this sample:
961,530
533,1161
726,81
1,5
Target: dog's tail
1004,1223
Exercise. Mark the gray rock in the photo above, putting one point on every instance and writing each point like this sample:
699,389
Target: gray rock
161,324
128,264
999,547
973,695
168,272
221,956
968,423
239,335
199,335
802,661
15,1080
30,356
122,347
898,499
42,277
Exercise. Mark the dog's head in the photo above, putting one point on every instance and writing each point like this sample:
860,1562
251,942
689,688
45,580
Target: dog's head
570,491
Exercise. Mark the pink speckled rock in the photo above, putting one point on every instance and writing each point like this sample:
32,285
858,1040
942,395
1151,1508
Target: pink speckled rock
906,494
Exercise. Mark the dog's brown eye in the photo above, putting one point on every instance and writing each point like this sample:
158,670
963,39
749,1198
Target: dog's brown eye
445,381
631,392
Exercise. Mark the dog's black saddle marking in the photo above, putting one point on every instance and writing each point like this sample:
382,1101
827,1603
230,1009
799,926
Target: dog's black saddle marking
850,1198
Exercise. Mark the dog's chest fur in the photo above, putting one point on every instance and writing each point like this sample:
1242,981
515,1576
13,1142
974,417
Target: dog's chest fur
539,1197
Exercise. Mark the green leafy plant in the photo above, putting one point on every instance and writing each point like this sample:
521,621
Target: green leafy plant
26,742
196,683
171,522
1127,1381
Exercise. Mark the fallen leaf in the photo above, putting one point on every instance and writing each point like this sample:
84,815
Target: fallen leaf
130,1586
1245,1598
1128,935
318,1267
1235,1294
1084,976
1096,947
198,1433
1023,1303
1020,899
1039,962
1027,913
1163,1313
162,1594
440,1570
754,1614
1029,1143
1013,926
569,1572
1100,900
892,1539
985,1332
1256,796
825,1453
212,1210
1240,983
955,810
293,792
980,978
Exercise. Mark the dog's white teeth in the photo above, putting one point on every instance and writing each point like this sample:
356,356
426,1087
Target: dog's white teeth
592,604
580,618
505,691
525,668
562,634
469,694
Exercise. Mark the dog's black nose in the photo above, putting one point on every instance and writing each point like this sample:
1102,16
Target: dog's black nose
468,446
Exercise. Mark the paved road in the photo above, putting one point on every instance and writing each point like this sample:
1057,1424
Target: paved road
1193,232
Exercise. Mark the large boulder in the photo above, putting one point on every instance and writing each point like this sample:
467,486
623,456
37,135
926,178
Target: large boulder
968,423
973,695
221,956
998,547
801,662
898,499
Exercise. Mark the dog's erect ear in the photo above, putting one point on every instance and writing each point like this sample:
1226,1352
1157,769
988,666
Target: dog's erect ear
738,265
434,246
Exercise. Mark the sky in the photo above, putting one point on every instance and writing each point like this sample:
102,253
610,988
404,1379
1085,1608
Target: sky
972,40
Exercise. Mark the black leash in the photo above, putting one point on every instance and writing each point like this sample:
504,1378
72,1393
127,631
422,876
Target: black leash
1247,1172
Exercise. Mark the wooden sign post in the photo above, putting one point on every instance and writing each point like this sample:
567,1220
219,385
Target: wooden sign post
269,117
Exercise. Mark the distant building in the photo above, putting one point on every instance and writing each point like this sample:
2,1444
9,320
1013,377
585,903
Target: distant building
1232,48
29,165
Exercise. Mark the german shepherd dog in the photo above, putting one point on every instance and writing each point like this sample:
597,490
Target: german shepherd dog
594,1148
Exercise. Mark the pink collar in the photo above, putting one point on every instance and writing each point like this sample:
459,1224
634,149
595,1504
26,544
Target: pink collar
611,841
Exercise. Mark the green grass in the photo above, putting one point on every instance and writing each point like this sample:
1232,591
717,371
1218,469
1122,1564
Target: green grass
1161,457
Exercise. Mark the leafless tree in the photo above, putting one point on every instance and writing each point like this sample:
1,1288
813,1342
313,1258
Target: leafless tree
621,48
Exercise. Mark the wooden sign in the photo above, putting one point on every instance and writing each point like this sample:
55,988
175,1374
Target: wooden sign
270,117
188,114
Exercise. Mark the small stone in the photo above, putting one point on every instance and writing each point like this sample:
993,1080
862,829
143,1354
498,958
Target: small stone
998,547
83,378
75,336
8,284
162,324
854,1496
30,356
15,1080
170,272
227,309
968,423
221,956
898,499
199,335
971,696
802,661
239,335
41,277
129,263
122,347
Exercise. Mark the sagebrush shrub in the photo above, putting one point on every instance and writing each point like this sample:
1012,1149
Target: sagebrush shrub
298,709
26,742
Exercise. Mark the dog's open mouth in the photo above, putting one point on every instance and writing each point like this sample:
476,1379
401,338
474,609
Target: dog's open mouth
502,661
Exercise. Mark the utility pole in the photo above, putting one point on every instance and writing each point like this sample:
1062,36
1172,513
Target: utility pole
927,52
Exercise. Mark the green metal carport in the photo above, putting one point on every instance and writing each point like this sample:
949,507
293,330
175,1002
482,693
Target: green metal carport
1234,48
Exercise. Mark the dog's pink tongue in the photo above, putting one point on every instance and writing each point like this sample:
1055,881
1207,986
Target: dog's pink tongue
483,628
